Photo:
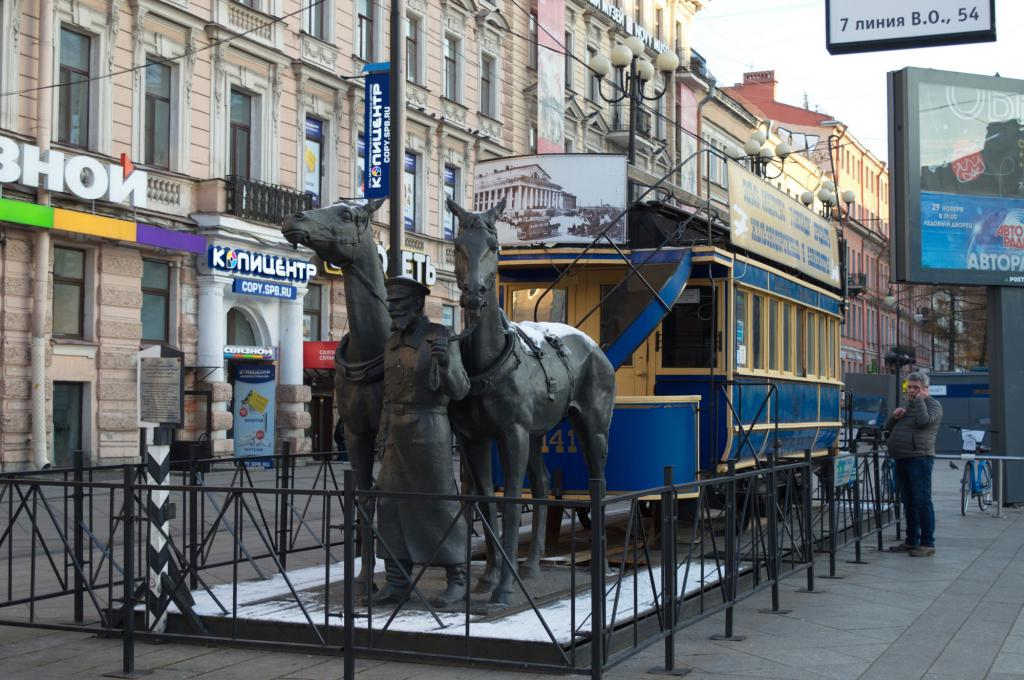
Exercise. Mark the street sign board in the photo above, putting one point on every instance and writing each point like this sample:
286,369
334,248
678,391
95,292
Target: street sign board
872,25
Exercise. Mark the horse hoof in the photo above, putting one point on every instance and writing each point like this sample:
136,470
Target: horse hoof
529,571
483,586
500,598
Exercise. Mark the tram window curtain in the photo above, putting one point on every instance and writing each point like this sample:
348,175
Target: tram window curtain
823,354
689,329
757,331
741,326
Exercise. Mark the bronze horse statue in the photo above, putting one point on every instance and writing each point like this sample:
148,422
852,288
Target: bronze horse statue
341,235
525,378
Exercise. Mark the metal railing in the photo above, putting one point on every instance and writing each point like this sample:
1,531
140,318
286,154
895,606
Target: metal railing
270,203
248,545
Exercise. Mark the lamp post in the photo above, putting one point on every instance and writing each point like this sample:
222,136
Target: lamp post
760,152
632,83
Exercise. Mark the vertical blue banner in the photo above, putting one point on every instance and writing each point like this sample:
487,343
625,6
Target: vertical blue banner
254,410
377,131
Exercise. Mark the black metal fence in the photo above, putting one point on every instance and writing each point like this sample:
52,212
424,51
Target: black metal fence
270,557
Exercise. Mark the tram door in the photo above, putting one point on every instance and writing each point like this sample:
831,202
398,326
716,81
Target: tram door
690,339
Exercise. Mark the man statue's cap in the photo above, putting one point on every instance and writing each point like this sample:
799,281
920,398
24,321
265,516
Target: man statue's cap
409,285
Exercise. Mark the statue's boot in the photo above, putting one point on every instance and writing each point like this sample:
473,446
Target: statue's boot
456,590
398,587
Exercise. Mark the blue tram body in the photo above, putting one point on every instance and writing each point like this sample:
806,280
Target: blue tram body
743,363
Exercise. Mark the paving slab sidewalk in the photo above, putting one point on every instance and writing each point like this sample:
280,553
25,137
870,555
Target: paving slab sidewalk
959,614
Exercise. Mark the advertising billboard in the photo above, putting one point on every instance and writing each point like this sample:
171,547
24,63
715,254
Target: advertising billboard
254,410
871,25
554,198
765,221
377,124
957,187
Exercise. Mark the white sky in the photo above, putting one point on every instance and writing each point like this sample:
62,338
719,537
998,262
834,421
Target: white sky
788,36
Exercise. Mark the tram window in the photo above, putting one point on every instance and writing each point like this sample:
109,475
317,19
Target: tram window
552,305
787,337
756,334
613,318
812,346
741,326
773,335
688,331
822,351
801,343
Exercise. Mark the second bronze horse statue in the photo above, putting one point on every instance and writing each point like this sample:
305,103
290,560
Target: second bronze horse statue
525,378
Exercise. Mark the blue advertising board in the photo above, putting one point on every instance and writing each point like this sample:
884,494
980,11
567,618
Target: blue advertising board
254,412
263,289
377,121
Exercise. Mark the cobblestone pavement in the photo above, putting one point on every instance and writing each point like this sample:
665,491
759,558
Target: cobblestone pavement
957,615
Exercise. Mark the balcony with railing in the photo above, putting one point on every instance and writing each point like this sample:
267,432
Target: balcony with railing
258,201
856,284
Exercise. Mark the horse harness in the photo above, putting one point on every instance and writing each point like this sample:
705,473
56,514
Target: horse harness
362,372
508,361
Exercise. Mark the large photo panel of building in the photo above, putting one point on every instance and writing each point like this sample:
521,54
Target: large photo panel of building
554,198
959,180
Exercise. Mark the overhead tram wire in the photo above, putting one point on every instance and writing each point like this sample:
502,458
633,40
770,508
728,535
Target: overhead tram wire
170,60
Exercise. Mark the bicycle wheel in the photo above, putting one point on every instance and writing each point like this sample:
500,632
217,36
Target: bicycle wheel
965,488
984,485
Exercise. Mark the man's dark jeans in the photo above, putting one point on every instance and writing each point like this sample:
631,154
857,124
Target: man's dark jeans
914,481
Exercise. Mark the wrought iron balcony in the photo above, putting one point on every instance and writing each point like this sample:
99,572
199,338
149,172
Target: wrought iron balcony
856,283
251,199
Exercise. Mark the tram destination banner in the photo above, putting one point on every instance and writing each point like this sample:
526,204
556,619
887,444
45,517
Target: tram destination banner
554,198
765,221
957,145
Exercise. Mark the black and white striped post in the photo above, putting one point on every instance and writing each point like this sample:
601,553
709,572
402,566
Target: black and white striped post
161,408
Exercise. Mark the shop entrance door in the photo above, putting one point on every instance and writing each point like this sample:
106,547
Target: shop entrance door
67,422
321,411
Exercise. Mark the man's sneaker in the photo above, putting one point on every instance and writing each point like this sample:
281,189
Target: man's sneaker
902,547
922,551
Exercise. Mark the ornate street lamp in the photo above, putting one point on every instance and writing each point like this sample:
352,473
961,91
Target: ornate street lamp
760,152
632,83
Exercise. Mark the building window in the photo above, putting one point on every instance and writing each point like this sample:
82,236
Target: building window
659,24
316,19
679,39
638,12
533,40
412,50
249,3
74,99
241,134
68,403
448,316
158,115
68,292
311,314
360,165
451,184
364,25
156,300
451,68
312,160
488,83
411,190
569,62
593,81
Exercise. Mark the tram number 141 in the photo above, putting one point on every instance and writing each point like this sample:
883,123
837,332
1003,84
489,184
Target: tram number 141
562,440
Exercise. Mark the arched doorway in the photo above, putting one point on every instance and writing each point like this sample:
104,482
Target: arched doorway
241,330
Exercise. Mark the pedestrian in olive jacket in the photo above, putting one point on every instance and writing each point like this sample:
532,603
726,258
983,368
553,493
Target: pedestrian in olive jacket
912,429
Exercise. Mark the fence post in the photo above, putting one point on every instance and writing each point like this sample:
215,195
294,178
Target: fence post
731,563
876,469
668,567
284,504
858,530
774,557
830,501
349,604
808,523
78,512
128,602
193,519
998,484
597,566
158,552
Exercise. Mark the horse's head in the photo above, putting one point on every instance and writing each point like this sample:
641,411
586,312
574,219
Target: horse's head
334,233
476,256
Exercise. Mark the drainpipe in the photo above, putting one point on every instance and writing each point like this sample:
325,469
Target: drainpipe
700,133
41,254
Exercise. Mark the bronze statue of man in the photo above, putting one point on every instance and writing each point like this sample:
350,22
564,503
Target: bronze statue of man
422,372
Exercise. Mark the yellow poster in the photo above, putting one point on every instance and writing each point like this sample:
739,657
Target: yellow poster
765,221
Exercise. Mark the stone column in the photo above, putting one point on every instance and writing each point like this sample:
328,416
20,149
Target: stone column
210,356
292,396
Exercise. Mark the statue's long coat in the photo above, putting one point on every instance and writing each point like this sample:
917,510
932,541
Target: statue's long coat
417,445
